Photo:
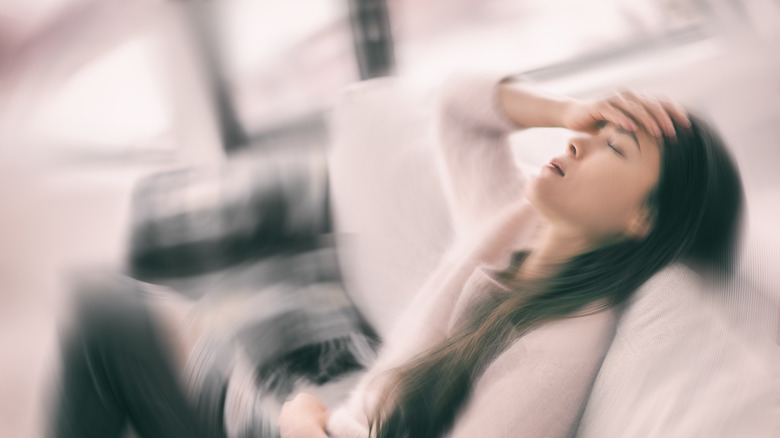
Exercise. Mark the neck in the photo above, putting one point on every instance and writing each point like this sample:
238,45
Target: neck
555,247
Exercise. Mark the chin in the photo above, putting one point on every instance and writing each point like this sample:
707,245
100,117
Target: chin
549,203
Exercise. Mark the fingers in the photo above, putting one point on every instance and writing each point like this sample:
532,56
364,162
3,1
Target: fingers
654,109
614,115
677,112
654,114
637,111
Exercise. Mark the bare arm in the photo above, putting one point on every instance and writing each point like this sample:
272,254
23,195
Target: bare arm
530,108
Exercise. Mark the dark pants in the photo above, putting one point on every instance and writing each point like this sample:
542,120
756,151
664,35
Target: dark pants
116,372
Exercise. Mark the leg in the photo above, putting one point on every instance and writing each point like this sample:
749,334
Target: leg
117,370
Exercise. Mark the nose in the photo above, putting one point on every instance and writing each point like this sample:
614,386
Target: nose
579,146
574,149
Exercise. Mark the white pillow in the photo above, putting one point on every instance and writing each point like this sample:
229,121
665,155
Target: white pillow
388,206
678,367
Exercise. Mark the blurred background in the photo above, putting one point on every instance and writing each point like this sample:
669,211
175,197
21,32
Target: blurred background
96,94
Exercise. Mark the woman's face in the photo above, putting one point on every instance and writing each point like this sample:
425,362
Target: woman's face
597,189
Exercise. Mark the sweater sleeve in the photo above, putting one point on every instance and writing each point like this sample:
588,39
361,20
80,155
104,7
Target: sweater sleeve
477,167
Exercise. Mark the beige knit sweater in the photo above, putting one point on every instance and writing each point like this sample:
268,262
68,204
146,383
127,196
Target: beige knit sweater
537,387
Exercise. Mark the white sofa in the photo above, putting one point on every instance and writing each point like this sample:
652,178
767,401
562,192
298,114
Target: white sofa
686,360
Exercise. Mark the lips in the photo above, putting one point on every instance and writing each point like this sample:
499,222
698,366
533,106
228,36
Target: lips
556,165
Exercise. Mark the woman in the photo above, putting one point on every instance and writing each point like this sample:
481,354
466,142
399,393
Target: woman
514,352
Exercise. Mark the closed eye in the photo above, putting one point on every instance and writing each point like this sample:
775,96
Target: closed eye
614,148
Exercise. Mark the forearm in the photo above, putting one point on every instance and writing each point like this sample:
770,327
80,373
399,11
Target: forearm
531,108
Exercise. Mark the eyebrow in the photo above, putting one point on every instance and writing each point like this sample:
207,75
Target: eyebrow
621,130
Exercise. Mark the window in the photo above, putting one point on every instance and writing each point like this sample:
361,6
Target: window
115,103
285,60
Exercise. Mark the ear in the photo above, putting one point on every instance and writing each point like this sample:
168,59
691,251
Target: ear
640,224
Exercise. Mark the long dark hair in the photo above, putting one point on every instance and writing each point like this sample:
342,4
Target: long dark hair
696,210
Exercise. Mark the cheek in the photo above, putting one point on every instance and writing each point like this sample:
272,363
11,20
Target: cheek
609,188
607,203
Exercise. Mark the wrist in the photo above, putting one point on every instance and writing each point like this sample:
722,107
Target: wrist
569,113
